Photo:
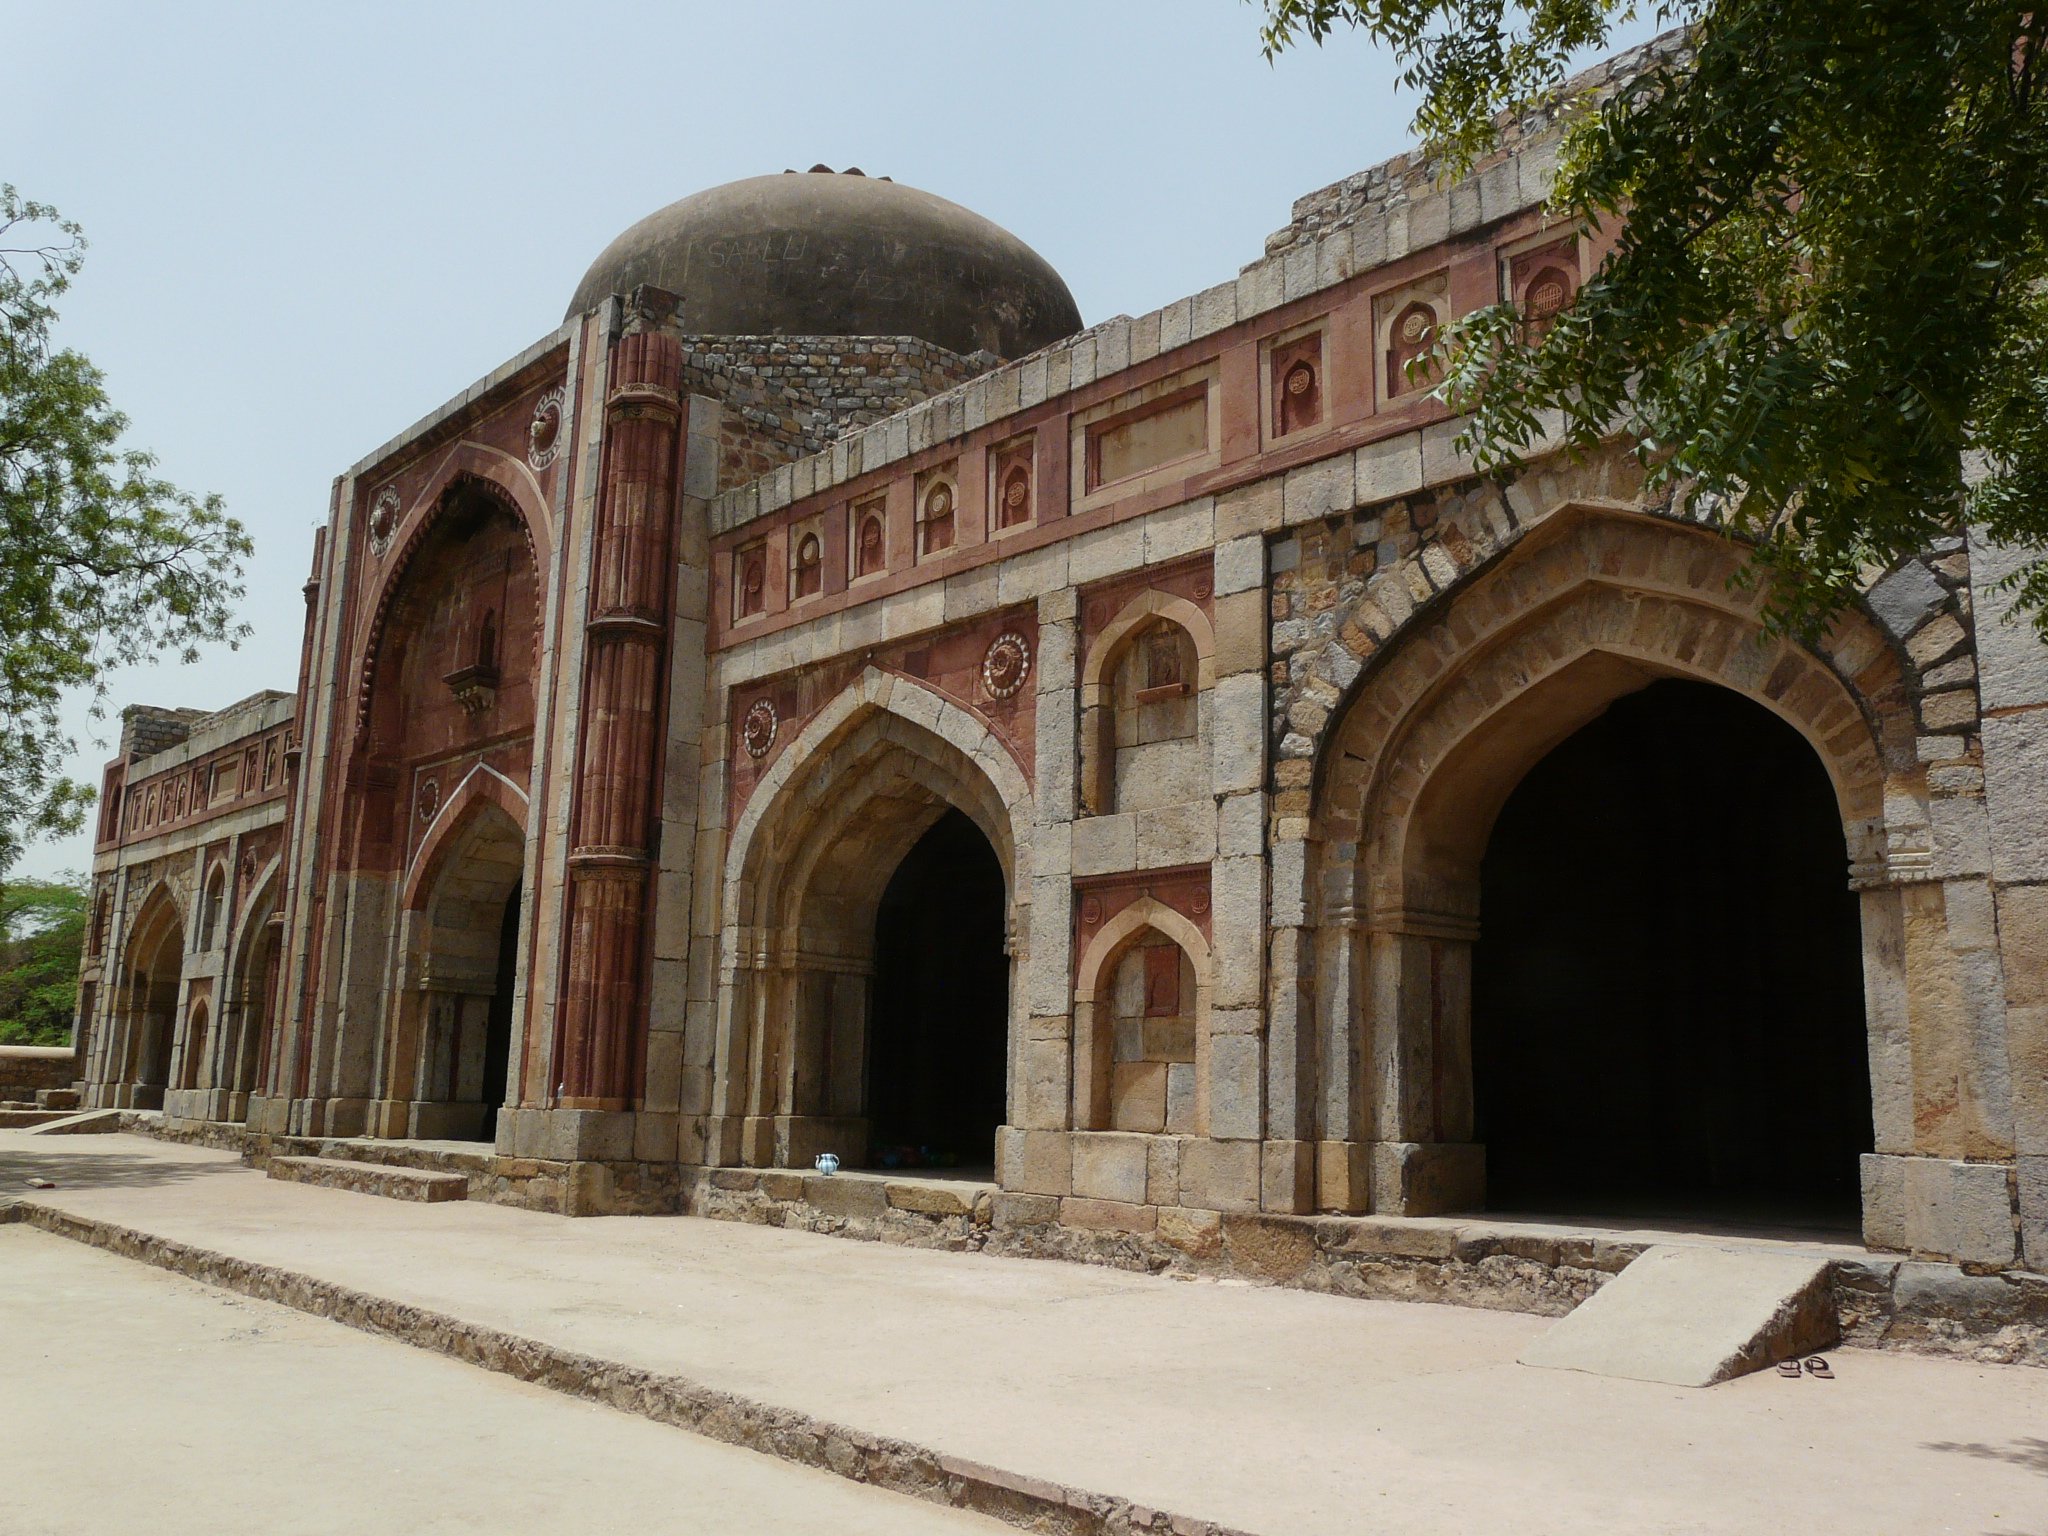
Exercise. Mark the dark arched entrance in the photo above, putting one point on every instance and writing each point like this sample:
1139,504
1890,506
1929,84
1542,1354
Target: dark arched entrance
1667,1011
938,1040
498,1024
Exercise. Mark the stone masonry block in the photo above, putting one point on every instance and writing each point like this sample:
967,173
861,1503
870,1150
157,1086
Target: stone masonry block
1343,1176
2016,794
1108,1166
1241,631
1176,834
1938,1208
1318,490
1389,468
1441,458
1287,1179
1907,598
1249,509
1219,1175
1239,749
1236,1079
1038,1162
2033,1173
1427,1178
1240,565
1108,1215
2011,657
1105,844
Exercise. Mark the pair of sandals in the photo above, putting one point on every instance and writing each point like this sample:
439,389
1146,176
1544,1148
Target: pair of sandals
1815,1366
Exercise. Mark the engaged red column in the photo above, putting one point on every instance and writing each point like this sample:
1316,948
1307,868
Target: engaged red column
618,752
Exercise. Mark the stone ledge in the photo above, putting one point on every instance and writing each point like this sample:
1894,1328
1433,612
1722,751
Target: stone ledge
917,1213
1884,1301
365,1178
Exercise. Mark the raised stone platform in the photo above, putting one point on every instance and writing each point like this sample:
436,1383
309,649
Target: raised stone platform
1343,1416
366,1178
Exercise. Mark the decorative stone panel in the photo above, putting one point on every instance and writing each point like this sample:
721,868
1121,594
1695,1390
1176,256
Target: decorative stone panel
985,667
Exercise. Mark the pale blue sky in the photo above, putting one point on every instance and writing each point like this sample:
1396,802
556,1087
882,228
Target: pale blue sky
311,224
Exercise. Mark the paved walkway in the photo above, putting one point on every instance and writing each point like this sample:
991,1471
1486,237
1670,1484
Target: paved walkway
1274,1410
138,1401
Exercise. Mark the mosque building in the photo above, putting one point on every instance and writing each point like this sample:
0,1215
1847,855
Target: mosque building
819,698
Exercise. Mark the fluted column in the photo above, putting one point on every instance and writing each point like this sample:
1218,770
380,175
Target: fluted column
618,750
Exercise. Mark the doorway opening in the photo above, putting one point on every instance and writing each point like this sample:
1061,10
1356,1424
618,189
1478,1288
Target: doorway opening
1667,991
498,1023
155,971
938,1041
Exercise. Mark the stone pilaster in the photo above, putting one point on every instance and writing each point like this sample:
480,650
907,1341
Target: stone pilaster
619,746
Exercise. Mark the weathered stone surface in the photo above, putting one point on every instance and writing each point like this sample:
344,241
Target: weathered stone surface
2016,794
1938,1206
1276,1249
1907,598
1110,1167
371,1179
849,1196
2012,661
1693,1316
934,1199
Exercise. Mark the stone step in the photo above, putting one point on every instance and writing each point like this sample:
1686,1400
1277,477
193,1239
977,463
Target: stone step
1691,1316
371,1178
67,1099
433,1157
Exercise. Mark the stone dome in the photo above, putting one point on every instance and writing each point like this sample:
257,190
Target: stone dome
820,253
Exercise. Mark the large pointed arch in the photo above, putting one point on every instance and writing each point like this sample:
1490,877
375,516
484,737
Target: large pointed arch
805,870
152,992
1591,605
482,785
472,471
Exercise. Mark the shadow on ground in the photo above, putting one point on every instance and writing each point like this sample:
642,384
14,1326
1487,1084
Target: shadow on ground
93,1170
2029,1452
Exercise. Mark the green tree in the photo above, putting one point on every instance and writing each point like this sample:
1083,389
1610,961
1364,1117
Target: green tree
1827,307
102,563
42,935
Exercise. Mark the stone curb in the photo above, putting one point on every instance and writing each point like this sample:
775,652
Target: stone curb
898,1465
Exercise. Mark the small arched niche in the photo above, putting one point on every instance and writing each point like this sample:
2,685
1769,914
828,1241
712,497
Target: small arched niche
1141,1022
210,907
1144,739
197,1039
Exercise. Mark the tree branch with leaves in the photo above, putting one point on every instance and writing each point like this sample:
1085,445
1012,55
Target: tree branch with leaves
102,562
1827,307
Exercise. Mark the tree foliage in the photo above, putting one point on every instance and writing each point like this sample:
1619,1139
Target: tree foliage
102,563
1827,305
42,935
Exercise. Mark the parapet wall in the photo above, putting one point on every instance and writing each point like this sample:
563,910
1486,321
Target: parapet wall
1418,173
794,395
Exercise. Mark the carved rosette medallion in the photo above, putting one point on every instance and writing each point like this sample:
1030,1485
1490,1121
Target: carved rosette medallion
1006,665
758,728
428,800
384,519
544,432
